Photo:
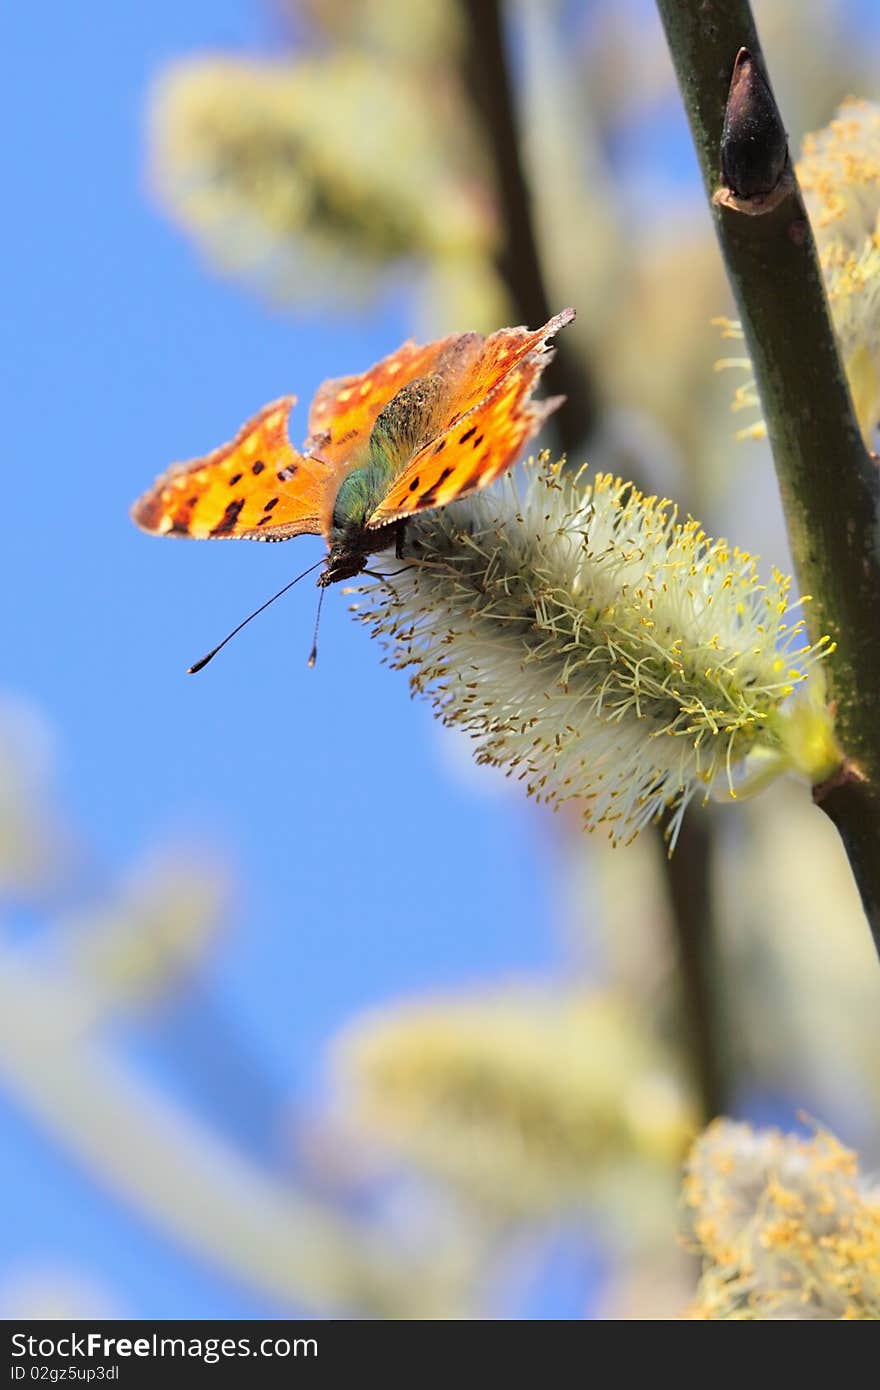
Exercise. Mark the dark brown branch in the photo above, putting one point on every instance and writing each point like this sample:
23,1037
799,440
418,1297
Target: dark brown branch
487,81
689,884
828,481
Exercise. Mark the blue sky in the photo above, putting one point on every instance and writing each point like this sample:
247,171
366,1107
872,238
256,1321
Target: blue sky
364,869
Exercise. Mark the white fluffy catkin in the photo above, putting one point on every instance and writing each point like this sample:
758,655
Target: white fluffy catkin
599,648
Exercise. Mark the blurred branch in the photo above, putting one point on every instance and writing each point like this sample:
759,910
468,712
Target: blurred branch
487,79
828,481
198,1188
689,884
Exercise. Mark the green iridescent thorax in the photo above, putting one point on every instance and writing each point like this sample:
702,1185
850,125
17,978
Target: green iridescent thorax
361,492
408,422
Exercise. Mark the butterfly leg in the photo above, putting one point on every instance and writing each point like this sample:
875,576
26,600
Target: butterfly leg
399,538
384,579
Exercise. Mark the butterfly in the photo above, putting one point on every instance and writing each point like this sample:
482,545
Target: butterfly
423,427
420,428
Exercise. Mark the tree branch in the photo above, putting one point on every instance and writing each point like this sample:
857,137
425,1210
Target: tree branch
828,480
689,885
517,259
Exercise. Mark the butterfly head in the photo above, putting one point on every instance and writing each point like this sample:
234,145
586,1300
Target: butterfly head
342,563
351,547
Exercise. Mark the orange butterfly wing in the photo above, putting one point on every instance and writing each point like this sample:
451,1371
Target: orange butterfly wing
491,417
261,488
345,409
258,487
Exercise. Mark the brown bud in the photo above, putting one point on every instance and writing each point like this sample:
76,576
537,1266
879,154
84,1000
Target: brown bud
754,146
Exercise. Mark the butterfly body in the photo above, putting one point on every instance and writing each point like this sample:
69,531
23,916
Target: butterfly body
421,428
359,495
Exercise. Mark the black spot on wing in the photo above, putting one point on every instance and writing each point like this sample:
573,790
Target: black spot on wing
429,497
273,502
284,475
414,485
257,468
229,518
467,434
236,478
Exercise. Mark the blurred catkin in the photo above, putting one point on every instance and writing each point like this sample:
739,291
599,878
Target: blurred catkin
839,172
312,176
526,1098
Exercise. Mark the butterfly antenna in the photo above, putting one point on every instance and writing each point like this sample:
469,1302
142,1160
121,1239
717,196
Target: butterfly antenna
200,665
313,654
